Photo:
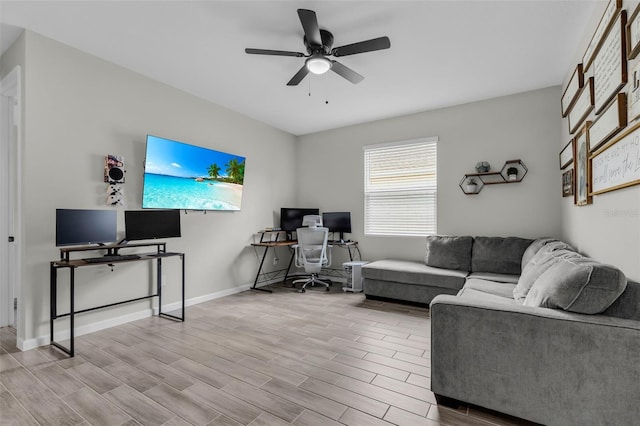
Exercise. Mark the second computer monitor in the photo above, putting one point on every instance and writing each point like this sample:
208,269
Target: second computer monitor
337,222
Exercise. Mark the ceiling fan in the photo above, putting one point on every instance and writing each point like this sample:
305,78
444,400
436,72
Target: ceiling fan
319,45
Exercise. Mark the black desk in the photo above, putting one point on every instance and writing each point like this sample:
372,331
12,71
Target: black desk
266,245
349,245
73,264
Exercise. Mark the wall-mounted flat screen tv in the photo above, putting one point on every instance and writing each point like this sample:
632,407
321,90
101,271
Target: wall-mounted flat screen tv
188,177
84,227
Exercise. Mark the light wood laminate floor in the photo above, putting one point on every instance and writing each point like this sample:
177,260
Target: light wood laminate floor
318,358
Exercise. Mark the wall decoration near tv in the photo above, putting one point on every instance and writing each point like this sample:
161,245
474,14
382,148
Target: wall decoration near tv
337,222
187,177
151,224
291,218
84,227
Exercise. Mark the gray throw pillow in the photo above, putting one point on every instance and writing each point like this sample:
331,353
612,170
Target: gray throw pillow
546,257
498,254
537,245
449,252
579,285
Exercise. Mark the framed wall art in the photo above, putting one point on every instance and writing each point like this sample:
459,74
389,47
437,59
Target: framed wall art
582,107
567,183
633,95
572,90
617,164
582,194
633,34
607,18
612,120
566,155
610,64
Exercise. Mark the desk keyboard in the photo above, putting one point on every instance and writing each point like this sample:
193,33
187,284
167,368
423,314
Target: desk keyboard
112,258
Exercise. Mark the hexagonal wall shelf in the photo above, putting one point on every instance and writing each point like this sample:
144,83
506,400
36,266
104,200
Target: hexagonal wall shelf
513,171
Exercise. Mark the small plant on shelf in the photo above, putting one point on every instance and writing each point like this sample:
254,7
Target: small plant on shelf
472,185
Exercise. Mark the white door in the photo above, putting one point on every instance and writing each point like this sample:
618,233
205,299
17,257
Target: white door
9,186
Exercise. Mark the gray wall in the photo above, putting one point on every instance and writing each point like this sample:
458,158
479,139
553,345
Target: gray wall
79,108
609,228
330,169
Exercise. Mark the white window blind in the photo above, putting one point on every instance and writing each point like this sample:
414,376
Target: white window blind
400,188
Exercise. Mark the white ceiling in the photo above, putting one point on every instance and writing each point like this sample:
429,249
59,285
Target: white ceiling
442,53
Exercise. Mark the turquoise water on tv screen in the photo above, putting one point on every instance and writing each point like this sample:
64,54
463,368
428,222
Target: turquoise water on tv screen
171,192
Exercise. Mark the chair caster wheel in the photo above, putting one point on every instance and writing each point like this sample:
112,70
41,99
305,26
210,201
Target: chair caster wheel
327,288
302,290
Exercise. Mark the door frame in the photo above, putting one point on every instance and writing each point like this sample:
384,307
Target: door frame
11,210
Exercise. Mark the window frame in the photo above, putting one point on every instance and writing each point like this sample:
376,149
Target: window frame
425,192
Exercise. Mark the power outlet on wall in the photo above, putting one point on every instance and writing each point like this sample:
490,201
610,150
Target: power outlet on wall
275,260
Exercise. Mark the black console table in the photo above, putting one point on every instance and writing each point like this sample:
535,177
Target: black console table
65,261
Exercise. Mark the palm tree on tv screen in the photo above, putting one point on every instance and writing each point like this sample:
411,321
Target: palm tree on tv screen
235,170
214,171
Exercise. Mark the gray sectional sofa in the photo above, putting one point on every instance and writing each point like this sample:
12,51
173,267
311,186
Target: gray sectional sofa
554,339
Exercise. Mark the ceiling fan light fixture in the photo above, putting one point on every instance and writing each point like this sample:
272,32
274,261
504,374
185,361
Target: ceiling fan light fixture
318,64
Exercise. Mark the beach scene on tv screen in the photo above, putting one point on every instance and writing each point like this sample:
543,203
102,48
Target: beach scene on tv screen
182,176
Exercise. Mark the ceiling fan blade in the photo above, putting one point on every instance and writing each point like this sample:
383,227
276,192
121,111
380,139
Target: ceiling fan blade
300,75
346,72
273,52
310,25
363,46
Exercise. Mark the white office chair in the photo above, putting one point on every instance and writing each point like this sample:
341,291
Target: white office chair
312,220
312,253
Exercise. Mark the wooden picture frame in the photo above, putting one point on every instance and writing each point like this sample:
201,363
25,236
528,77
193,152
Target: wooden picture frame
582,107
633,95
567,183
616,165
566,155
582,177
612,120
610,64
612,9
572,90
633,34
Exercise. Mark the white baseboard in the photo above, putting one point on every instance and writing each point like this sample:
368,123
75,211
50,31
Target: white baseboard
25,345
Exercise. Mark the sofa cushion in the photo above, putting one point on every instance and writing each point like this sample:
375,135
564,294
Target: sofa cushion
579,285
478,295
449,252
405,271
491,287
492,276
547,256
498,254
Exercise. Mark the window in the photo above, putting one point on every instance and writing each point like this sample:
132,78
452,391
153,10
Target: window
400,188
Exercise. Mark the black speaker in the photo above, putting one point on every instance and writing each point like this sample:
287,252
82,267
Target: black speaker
114,169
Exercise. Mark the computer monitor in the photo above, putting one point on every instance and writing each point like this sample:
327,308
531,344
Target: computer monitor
76,227
151,224
337,222
291,218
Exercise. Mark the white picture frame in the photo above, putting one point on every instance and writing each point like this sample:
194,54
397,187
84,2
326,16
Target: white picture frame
610,64
612,120
616,165
607,18
633,34
572,90
582,107
582,195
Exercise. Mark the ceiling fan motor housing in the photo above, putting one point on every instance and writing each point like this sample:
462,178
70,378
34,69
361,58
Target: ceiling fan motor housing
327,44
